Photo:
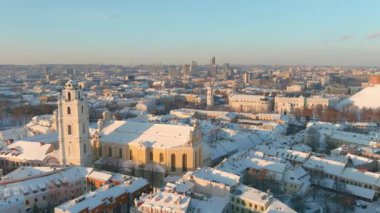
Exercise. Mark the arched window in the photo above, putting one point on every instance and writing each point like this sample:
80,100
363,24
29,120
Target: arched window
184,162
68,110
69,129
69,96
200,157
161,157
173,162
83,128
110,151
151,156
196,159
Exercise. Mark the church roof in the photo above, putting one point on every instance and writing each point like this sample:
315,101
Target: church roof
146,134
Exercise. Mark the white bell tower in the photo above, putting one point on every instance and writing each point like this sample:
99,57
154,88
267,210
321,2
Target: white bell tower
73,126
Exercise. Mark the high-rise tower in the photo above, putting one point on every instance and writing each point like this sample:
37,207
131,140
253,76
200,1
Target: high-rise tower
73,126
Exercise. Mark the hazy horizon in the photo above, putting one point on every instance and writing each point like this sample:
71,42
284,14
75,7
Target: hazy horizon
272,32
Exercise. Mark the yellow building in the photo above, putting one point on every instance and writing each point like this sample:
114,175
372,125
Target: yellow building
176,148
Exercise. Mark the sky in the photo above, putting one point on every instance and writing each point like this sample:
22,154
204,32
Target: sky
274,32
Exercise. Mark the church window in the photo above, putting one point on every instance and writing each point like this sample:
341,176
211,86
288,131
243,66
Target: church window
69,96
68,110
196,158
69,129
173,162
184,162
110,151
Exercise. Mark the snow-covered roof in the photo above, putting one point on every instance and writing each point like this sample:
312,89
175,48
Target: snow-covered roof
25,150
100,175
366,98
325,165
254,195
284,153
212,204
99,197
19,183
43,138
246,97
361,176
166,201
216,175
146,134
239,162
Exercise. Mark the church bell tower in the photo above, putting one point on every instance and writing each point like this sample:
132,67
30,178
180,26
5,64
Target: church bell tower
73,126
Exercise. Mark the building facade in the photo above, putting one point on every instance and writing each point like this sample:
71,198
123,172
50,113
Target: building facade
251,103
285,105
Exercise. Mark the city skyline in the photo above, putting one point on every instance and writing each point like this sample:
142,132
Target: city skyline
238,32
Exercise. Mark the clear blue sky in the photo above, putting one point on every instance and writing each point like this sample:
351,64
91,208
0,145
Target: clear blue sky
341,32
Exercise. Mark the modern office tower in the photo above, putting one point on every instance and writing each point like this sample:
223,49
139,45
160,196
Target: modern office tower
71,73
213,70
186,71
194,67
73,126
212,61
173,73
48,76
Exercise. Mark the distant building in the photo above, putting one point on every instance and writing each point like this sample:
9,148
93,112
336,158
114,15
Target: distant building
374,79
186,71
107,198
164,202
295,88
285,105
212,61
43,187
210,97
318,101
213,71
247,77
251,103
173,73
247,199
